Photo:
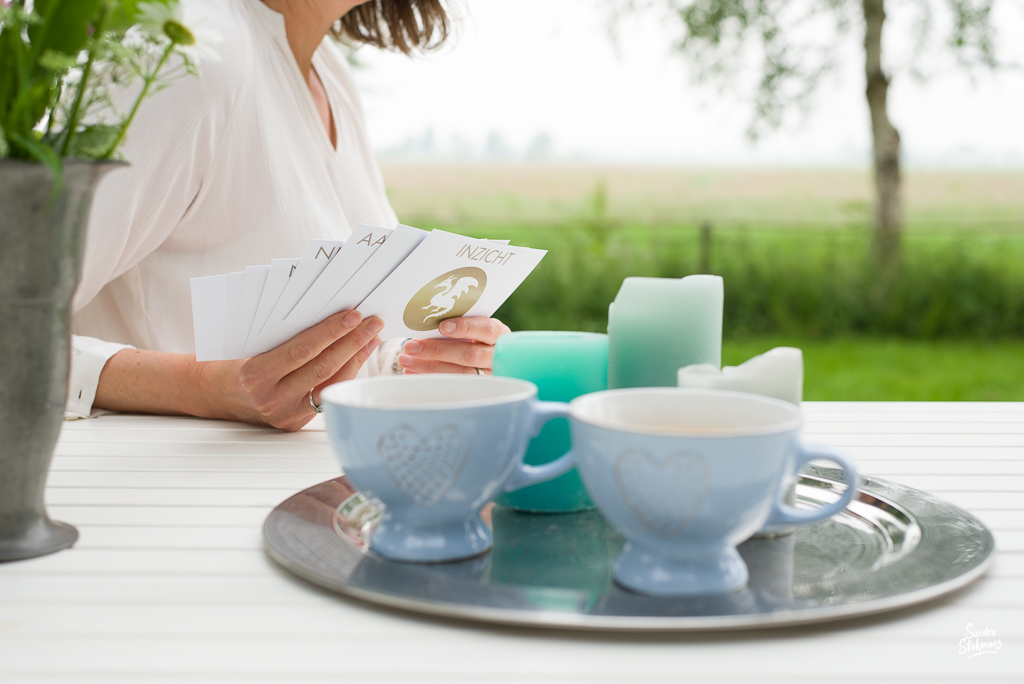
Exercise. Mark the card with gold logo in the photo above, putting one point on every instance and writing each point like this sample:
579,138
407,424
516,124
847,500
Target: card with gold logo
448,275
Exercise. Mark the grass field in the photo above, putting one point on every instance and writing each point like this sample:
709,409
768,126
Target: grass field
792,245
822,198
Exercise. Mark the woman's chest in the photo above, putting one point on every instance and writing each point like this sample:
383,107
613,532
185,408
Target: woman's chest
276,180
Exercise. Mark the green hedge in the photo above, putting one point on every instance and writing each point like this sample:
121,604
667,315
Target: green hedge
812,283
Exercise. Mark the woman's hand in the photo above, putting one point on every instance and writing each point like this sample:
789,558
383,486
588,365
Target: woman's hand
470,347
269,389
273,388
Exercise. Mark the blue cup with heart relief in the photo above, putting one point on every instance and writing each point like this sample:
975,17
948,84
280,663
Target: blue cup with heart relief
435,449
688,474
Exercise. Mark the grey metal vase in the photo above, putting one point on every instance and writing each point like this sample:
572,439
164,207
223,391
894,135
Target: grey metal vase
41,244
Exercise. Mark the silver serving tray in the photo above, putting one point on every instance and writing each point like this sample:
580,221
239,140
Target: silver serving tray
893,547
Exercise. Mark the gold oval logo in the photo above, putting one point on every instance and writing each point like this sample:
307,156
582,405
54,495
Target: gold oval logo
447,296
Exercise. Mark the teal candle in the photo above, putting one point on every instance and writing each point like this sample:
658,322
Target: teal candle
563,365
658,325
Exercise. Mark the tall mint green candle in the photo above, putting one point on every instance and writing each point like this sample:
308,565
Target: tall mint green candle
658,325
563,365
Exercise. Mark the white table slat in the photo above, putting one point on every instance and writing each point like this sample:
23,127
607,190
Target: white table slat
195,464
206,435
226,448
341,618
892,468
184,480
955,427
155,516
169,581
510,657
121,496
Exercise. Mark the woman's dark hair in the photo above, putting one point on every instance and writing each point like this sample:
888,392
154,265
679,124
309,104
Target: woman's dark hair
403,25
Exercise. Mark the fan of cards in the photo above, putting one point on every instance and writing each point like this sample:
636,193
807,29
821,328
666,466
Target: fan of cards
411,278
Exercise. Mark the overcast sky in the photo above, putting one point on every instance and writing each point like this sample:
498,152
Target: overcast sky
547,67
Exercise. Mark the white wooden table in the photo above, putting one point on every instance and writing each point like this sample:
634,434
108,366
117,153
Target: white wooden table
169,581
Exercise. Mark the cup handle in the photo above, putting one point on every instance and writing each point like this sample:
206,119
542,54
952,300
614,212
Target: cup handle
784,514
525,475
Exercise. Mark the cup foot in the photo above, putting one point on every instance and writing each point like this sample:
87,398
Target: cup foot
700,571
448,541
42,537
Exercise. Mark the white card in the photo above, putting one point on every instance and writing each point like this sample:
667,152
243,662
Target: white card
252,290
277,279
209,297
446,276
360,245
379,266
231,301
317,256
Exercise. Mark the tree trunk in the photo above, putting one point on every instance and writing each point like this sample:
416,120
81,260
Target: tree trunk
888,210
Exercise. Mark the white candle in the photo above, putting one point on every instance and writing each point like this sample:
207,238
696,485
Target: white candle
777,373
657,325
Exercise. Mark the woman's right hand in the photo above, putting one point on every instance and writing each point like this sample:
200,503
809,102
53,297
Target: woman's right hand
273,388
269,389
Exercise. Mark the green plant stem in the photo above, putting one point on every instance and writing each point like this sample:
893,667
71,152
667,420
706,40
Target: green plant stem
76,107
149,80
53,108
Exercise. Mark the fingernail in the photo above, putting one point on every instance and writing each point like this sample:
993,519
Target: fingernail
375,326
373,344
447,327
413,347
405,360
352,319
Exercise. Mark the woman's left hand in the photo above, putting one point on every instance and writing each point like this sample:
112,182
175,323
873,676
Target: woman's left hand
470,347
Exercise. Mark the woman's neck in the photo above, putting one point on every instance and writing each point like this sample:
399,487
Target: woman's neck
306,22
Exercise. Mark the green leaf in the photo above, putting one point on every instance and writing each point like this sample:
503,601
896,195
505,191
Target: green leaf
126,12
12,53
53,60
43,154
30,104
65,25
4,147
94,141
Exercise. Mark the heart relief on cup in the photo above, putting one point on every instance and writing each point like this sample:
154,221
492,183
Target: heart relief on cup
686,475
435,449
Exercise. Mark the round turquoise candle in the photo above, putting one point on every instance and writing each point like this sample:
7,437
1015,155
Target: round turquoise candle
563,365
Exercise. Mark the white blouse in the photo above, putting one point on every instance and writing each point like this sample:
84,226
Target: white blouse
227,171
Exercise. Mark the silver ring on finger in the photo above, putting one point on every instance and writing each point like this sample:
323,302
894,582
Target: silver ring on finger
478,372
318,409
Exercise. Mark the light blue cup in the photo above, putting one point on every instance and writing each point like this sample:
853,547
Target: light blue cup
686,475
435,449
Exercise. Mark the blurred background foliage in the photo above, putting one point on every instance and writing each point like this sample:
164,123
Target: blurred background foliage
794,248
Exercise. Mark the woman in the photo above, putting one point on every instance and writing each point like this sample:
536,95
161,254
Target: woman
267,151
